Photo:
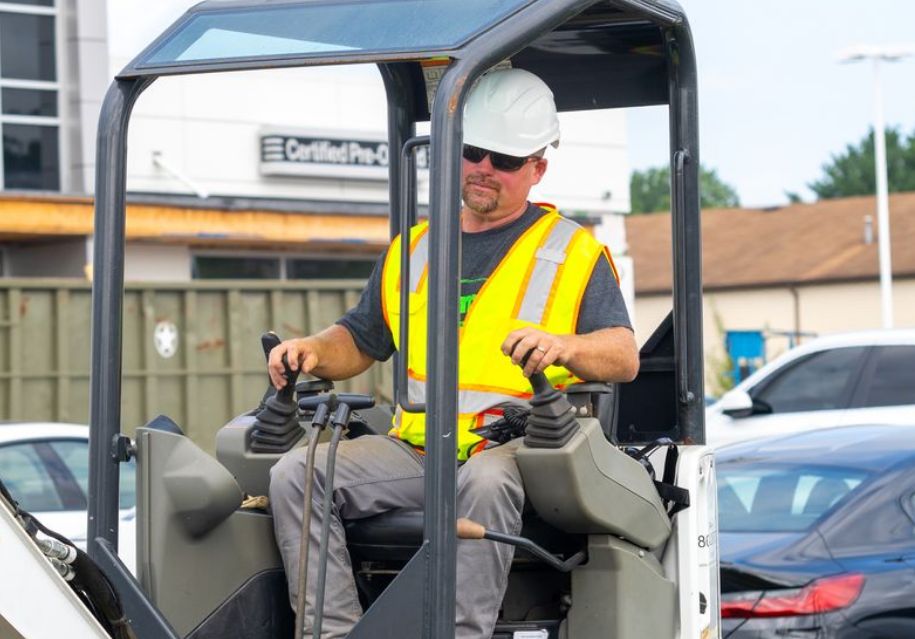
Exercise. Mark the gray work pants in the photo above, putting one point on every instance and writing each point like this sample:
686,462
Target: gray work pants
375,474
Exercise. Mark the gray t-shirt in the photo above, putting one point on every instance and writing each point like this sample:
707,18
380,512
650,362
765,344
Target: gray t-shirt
601,307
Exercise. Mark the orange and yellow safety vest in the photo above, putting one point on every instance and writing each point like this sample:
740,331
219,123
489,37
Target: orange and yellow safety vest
540,283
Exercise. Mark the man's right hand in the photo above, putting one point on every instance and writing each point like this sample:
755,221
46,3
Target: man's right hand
299,352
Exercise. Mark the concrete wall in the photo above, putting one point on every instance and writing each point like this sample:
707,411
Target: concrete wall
72,257
85,77
157,263
819,309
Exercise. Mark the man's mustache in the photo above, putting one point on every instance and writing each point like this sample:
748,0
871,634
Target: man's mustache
482,181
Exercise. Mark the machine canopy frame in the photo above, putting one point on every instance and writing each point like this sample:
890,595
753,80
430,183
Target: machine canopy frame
593,54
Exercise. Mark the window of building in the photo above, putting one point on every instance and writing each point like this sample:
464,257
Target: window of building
206,267
29,102
30,157
320,269
215,267
39,3
29,95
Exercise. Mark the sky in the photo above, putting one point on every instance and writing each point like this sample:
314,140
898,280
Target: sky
774,102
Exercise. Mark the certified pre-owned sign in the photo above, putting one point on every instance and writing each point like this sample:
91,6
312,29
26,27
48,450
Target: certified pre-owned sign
338,155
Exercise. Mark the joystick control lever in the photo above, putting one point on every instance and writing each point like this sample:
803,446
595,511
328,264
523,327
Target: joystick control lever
551,423
276,427
469,529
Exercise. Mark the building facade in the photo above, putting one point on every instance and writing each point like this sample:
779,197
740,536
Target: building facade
267,174
787,274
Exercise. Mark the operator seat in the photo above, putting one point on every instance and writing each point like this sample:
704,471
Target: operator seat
398,534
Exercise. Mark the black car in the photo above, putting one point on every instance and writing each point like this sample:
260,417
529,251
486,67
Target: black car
817,535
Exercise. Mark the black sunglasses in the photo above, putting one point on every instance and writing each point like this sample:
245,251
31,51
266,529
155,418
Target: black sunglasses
500,161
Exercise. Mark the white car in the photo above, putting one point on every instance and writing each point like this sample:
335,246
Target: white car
45,466
843,379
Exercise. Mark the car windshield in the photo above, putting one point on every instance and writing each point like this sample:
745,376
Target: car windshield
780,498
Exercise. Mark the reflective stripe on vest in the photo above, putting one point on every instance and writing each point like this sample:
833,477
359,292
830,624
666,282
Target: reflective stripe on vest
539,283
419,261
550,256
469,401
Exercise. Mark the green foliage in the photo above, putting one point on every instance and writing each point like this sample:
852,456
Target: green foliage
650,190
714,193
852,172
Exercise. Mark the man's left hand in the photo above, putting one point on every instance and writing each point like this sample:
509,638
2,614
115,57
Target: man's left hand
546,349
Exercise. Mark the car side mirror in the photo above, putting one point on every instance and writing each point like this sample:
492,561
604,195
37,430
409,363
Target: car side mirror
736,403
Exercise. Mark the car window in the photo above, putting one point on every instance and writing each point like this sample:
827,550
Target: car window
893,380
128,490
28,479
757,498
881,524
821,381
75,454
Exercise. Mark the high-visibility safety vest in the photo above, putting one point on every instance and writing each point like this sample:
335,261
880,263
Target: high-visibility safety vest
540,282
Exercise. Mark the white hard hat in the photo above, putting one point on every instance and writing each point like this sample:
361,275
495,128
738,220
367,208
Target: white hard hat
511,111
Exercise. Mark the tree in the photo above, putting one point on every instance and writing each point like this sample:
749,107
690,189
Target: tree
649,190
852,171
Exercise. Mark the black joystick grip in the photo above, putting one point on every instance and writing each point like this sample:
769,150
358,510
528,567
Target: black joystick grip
276,427
269,341
540,383
291,376
551,423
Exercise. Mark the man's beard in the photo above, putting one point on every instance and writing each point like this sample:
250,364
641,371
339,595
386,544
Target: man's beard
476,202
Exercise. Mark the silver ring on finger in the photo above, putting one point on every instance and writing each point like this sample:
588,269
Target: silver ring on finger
541,349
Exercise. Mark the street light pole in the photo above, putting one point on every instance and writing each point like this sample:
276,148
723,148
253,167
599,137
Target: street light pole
883,202
878,55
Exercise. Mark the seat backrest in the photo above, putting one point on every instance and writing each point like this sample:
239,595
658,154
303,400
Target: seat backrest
600,400
605,409
647,406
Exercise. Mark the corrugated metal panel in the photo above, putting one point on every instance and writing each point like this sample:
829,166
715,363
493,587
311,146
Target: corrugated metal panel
213,370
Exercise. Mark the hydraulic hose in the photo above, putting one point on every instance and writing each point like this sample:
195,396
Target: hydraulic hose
339,420
317,425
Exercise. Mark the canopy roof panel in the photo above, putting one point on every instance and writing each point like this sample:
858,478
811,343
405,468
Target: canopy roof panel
611,53
218,32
